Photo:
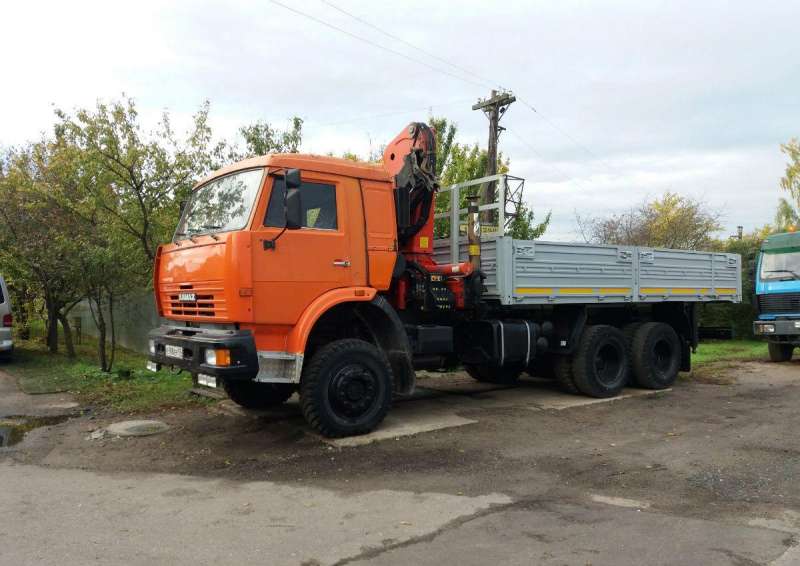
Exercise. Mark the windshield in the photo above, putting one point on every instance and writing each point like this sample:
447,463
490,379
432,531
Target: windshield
221,205
784,266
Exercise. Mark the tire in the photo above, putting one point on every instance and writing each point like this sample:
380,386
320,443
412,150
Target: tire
346,389
629,330
780,352
252,395
656,356
600,367
499,376
562,370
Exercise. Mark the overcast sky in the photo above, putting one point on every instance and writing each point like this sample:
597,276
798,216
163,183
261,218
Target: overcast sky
633,98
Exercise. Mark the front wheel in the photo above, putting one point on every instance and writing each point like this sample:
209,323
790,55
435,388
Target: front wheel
780,352
346,389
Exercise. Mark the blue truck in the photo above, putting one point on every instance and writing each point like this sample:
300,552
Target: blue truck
777,287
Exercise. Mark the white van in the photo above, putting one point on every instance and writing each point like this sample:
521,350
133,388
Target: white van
6,341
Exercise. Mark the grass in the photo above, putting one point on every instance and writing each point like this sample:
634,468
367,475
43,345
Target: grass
129,388
729,350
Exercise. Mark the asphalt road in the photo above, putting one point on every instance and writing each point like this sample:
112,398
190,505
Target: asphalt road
703,474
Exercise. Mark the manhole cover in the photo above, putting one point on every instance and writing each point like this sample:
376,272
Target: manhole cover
137,428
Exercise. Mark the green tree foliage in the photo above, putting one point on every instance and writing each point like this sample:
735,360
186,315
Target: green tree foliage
38,243
143,175
261,138
672,221
788,214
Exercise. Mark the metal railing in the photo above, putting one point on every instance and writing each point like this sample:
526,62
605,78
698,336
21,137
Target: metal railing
508,192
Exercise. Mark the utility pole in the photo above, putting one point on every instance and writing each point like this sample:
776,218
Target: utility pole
493,107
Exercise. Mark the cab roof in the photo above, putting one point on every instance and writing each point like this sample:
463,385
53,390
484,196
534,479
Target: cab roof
307,162
781,243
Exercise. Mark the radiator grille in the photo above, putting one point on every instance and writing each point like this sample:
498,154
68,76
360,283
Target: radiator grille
208,303
779,303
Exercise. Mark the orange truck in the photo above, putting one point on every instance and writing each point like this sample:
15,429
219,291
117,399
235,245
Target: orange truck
309,274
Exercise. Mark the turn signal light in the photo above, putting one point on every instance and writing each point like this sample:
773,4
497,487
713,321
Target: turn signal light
218,357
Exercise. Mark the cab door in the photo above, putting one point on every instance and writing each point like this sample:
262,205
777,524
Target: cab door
291,268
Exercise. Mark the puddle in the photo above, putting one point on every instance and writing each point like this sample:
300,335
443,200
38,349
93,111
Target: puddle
14,429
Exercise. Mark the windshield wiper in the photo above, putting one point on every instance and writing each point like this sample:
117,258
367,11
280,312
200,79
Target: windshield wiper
789,271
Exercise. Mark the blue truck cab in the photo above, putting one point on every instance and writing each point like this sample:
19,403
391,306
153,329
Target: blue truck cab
777,286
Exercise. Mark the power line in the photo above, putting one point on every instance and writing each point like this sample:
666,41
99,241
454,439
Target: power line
489,82
564,133
394,37
374,44
558,170
538,113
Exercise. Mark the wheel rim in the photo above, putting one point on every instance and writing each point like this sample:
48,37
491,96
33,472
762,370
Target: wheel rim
607,364
662,356
353,391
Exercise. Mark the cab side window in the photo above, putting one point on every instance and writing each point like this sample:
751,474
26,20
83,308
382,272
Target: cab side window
319,205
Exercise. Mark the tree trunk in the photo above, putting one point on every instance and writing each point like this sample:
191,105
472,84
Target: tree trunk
113,330
52,326
96,308
68,344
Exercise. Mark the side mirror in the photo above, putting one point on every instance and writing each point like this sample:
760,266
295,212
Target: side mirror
292,178
181,207
294,206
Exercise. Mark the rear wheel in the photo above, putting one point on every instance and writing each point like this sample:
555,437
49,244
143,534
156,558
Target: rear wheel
600,368
253,395
499,376
780,352
346,389
656,355
562,370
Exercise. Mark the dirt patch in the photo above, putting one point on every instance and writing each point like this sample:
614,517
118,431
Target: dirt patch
699,449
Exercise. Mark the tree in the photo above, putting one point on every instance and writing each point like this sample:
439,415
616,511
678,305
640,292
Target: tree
261,138
38,242
145,175
672,221
788,214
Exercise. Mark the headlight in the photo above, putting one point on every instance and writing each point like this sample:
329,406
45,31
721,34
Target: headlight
766,328
218,357
151,345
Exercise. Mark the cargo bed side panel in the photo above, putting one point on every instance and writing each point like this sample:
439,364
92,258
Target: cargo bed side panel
528,272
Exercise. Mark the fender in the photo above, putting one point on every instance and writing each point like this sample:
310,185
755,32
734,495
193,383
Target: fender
298,337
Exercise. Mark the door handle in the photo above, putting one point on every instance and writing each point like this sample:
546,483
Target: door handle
341,263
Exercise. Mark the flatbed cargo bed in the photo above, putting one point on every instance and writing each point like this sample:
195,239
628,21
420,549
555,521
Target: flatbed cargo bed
532,272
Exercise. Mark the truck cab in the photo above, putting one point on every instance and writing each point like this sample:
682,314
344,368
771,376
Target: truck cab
242,285
777,286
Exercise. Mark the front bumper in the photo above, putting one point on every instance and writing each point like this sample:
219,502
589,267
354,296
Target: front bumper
194,343
787,329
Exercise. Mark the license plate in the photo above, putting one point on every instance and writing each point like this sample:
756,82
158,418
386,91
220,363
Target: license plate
207,380
188,297
173,351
